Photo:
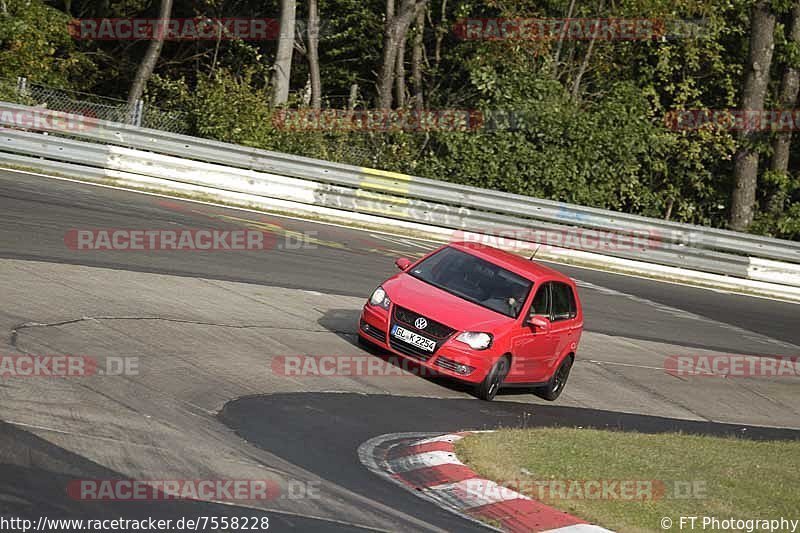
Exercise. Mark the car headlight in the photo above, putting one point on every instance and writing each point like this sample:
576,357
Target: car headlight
475,340
379,299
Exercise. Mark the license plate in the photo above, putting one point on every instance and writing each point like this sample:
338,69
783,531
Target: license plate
412,338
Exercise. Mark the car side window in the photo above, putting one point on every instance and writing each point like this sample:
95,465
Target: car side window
541,302
564,307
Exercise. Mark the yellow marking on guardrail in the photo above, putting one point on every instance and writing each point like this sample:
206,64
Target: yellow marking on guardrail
387,174
383,180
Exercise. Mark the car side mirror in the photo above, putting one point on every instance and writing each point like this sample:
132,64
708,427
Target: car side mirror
539,323
403,264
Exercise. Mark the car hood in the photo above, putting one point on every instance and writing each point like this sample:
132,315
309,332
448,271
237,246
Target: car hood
434,303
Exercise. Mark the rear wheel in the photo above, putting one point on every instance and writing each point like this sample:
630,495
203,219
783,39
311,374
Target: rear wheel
488,388
556,385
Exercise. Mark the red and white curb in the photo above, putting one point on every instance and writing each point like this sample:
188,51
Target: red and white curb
426,464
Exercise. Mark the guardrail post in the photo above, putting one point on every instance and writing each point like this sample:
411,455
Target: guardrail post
22,85
135,113
139,113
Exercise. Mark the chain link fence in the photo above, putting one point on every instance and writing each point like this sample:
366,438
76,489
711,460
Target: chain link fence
364,149
22,91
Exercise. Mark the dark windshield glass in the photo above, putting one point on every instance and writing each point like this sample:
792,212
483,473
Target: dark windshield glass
476,280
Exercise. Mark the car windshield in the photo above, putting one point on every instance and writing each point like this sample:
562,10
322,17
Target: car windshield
475,280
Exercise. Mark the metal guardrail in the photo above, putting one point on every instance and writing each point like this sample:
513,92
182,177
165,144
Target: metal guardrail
168,156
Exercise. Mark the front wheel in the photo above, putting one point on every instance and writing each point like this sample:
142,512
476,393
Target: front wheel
488,388
556,385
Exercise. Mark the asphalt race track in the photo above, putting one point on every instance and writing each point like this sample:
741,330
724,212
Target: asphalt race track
208,400
307,415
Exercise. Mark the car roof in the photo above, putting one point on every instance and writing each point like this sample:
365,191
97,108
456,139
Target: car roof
517,264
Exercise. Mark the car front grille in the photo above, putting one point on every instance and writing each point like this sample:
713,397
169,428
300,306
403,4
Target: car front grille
436,330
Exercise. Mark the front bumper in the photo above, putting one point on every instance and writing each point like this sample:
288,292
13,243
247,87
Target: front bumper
375,325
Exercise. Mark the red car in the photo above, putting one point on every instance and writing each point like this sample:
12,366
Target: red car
480,315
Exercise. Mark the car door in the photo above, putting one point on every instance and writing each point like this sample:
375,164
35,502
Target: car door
532,348
562,320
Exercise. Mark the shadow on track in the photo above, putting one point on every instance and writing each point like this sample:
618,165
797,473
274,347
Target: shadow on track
343,322
34,475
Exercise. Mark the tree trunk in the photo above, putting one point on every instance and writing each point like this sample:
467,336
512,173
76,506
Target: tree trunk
416,62
400,74
386,74
441,31
790,84
576,85
282,69
313,54
150,58
352,101
560,45
396,30
743,199
390,10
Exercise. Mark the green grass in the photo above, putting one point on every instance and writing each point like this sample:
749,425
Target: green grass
734,478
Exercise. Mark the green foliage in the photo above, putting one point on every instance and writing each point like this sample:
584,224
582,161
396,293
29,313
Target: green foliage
781,217
221,106
35,41
784,225
228,108
608,145
597,156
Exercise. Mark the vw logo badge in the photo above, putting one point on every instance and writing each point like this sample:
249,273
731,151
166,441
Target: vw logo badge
420,323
